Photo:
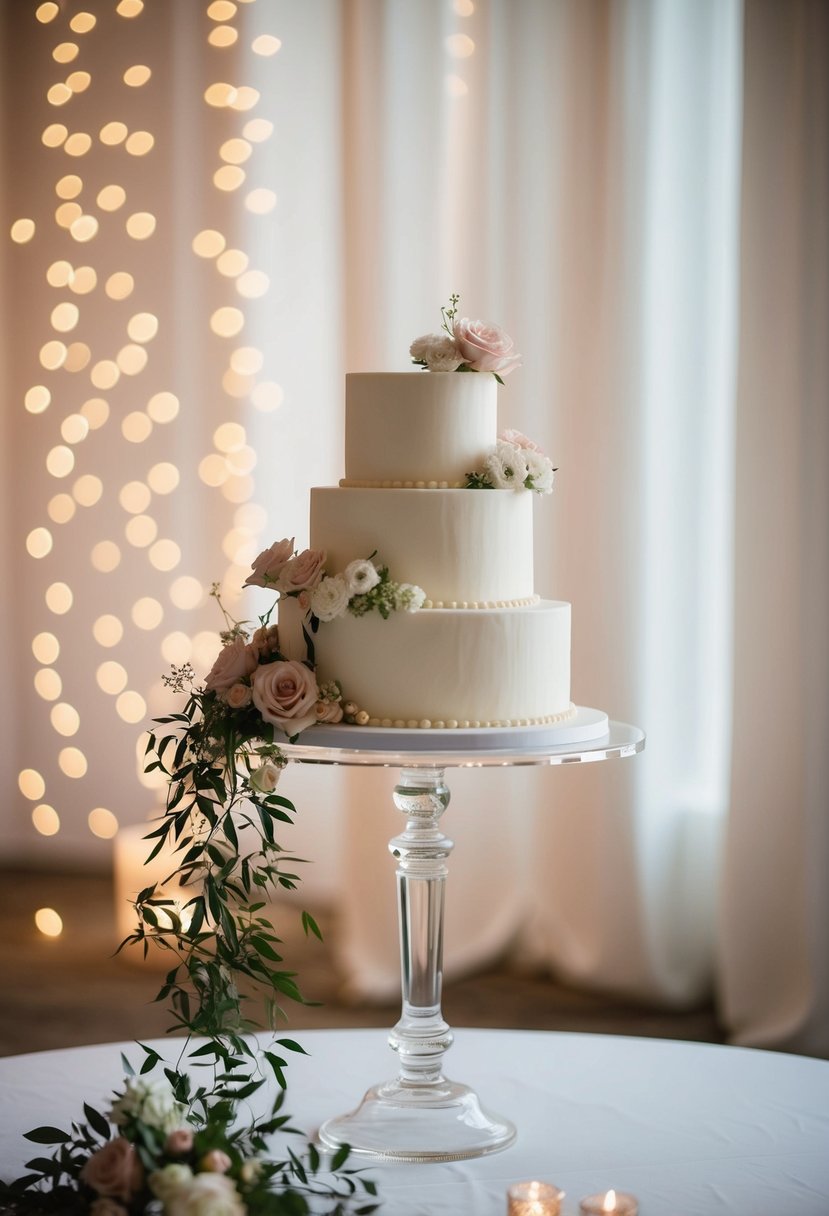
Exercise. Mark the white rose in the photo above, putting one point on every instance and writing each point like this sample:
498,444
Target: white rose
265,778
151,1101
164,1183
361,576
330,598
410,597
507,466
205,1195
329,711
540,471
437,351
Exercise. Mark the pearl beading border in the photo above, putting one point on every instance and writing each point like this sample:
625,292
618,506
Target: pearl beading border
528,602
347,483
464,724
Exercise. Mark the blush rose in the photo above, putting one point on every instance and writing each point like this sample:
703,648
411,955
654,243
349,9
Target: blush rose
268,565
114,1170
233,663
285,694
485,347
303,572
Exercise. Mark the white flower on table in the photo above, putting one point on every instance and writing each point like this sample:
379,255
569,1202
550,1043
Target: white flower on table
151,1101
361,576
540,471
330,598
507,466
437,353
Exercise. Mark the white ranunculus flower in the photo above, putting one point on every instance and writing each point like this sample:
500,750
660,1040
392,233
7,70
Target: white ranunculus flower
150,1101
361,576
165,1182
507,466
410,597
439,352
205,1195
330,598
540,471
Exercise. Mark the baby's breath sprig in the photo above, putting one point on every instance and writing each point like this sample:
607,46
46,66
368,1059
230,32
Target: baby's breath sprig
448,315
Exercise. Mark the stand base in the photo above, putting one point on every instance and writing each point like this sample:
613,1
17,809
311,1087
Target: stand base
400,1122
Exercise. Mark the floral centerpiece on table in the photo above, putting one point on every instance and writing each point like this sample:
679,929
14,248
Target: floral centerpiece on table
165,1144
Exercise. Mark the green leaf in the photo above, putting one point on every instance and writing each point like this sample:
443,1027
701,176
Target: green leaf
292,1045
97,1121
340,1157
309,925
47,1135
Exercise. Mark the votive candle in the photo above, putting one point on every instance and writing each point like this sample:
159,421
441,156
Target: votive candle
534,1199
611,1203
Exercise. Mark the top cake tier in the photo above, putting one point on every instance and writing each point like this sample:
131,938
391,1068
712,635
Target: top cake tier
417,428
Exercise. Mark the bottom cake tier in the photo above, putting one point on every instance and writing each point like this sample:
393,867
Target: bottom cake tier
452,667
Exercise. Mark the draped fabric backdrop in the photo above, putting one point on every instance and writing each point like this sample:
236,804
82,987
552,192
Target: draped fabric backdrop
637,192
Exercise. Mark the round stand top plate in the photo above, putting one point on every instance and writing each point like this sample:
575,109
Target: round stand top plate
587,735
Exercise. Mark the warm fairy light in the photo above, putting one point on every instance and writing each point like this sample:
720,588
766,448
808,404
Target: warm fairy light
105,374
227,322
45,820
78,82
247,360
147,613
163,407
87,490
47,12
69,186
176,648
142,327
22,231
456,86
60,460
65,317
59,94
59,274
229,177
135,497
237,386
72,762
48,684
164,555
265,44
137,75
221,10
65,719
47,920
141,225
464,8
253,284
67,213
219,94
105,556
74,428
102,823
77,144
260,201
84,228
267,396
37,399
110,198
257,130
163,478
65,52
208,243
252,518
111,677
186,592
139,143
82,23
119,285
61,508
131,707
95,412
84,279
54,135
222,35
609,1202
141,531
213,470
39,542
232,262
129,8
52,355
238,489
459,46
31,784
136,427
45,647
229,437
244,98
132,359
242,462
107,630
78,355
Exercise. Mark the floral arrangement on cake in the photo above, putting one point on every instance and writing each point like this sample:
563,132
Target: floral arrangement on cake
515,463
165,1145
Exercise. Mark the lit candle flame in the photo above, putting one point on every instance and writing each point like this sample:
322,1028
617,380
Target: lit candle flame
609,1204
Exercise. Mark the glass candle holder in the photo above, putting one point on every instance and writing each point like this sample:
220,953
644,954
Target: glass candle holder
534,1199
611,1203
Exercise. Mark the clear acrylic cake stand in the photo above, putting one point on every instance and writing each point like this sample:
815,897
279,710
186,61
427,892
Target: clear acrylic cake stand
420,1115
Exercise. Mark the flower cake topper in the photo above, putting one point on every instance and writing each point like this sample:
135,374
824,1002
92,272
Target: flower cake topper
465,346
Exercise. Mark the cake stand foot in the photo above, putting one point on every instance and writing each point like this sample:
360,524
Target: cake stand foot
420,1116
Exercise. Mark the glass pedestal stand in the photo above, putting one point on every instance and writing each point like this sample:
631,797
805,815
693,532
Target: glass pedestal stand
420,1115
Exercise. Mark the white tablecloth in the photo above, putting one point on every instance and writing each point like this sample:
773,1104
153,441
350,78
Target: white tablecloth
691,1129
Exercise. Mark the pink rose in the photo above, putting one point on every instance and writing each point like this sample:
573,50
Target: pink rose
268,565
265,640
233,663
238,696
114,1170
216,1162
107,1207
328,711
485,347
303,572
518,440
179,1142
285,694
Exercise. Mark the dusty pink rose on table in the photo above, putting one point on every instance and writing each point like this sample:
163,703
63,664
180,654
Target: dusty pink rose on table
285,694
303,572
485,347
114,1170
216,1162
268,565
328,711
233,663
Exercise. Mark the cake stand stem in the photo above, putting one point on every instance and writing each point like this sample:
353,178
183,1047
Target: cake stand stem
420,1115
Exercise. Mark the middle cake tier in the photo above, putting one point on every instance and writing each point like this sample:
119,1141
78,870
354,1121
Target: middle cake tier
463,547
